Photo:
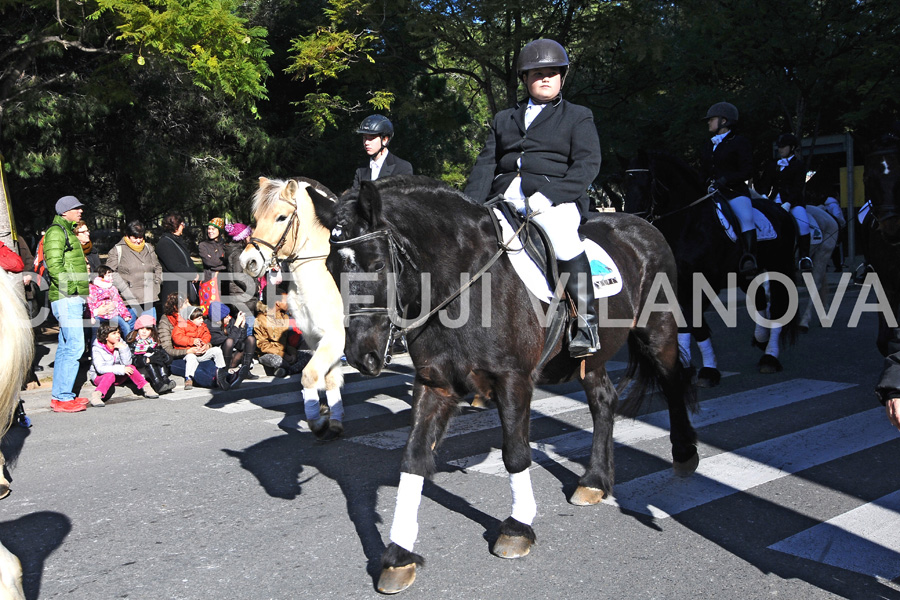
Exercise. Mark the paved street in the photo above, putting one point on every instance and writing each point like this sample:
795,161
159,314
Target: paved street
226,496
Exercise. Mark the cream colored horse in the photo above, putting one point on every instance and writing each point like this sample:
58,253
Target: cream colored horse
16,352
288,231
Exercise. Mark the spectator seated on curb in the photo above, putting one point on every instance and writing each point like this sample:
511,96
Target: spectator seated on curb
191,334
111,365
149,357
205,375
278,338
231,336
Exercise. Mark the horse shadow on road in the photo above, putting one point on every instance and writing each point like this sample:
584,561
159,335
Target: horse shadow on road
33,538
283,464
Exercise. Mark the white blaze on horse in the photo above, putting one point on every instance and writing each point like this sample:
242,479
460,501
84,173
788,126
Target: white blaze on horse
16,352
288,233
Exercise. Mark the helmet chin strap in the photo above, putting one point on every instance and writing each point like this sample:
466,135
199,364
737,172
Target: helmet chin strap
382,148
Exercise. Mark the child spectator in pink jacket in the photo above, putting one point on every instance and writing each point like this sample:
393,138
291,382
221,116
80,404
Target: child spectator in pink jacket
111,365
105,303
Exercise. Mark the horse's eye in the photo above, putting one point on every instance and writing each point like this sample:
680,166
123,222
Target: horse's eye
281,219
378,266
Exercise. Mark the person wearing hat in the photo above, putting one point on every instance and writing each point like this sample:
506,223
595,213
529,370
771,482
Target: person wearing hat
212,250
377,132
727,162
68,274
784,181
541,157
242,290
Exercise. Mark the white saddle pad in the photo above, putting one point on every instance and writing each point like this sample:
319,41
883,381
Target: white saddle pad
605,273
764,229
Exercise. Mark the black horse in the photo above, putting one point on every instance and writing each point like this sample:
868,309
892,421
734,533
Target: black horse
392,232
881,233
672,195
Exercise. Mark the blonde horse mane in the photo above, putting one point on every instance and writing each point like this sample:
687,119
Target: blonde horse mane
273,190
16,349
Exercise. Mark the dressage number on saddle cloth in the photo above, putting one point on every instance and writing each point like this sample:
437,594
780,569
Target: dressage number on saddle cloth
606,275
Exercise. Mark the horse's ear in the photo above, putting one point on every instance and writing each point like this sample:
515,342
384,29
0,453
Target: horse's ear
369,203
290,188
263,181
323,206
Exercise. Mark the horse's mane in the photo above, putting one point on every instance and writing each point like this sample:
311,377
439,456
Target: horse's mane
267,195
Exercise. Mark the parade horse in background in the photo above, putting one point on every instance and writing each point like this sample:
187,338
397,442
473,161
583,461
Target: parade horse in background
288,233
820,254
882,239
394,236
16,352
672,195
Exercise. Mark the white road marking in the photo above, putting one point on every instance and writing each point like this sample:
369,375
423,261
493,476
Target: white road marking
564,447
662,494
864,540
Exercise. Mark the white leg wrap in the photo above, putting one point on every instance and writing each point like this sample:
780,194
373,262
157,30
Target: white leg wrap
524,508
335,403
761,334
772,346
709,355
311,403
405,528
684,348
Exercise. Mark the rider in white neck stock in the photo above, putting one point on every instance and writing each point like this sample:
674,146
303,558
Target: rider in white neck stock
546,171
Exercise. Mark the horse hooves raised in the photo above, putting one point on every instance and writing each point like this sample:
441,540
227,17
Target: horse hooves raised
768,364
585,496
708,377
512,546
686,468
396,579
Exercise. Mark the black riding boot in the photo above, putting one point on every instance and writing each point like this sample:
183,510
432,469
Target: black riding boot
805,263
747,266
586,340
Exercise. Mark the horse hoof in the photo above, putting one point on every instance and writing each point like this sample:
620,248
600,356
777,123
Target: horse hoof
768,364
708,377
334,430
396,579
758,344
512,546
585,496
686,468
480,401
318,426
4,491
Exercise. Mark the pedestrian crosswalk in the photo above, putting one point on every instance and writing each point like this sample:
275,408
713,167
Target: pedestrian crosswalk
864,539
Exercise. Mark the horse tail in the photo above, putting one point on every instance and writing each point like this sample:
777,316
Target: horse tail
646,374
16,349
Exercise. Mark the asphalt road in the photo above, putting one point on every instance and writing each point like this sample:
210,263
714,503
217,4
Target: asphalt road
226,496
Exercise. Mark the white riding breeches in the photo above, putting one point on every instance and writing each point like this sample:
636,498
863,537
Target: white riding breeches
743,210
560,221
802,218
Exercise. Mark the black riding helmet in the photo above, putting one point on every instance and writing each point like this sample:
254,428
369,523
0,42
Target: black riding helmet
725,110
376,125
787,139
543,53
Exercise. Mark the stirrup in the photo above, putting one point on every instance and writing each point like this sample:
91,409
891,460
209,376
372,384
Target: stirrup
805,264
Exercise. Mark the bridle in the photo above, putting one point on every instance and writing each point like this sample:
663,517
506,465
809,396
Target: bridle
293,225
650,215
398,256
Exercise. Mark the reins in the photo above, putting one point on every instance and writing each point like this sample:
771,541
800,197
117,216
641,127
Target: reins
649,213
395,251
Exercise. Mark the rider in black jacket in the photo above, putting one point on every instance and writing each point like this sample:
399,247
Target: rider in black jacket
727,161
541,156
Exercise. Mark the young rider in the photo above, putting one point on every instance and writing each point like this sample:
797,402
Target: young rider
541,156
377,132
784,181
727,160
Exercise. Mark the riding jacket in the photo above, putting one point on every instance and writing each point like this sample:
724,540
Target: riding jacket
729,166
789,182
393,165
558,156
